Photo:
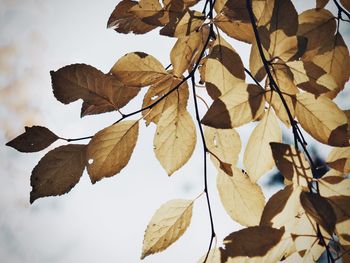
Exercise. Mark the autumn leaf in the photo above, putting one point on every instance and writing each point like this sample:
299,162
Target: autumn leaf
58,171
34,139
322,119
242,199
110,149
214,256
258,156
167,225
240,105
138,69
321,3
157,91
334,186
100,92
339,159
223,69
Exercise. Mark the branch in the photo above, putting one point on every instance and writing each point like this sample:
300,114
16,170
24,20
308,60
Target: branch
341,10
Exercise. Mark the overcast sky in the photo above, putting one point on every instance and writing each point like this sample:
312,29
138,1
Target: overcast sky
104,222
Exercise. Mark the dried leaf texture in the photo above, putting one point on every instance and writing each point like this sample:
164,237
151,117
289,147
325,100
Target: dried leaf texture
187,50
167,225
238,106
175,139
110,149
223,69
322,119
345,4
339,159
177,98
138,69
58,171
34,139
321,3
224,144
242,199
334,186
100,92
258,157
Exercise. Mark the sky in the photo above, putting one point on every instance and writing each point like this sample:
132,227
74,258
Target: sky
104,222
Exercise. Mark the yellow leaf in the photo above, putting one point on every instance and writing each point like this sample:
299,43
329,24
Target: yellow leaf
334,186
223,69
256,64
224,144
242,199
322,119
339,159
138,69
258,156
58,171
167,225
186,51
175,139
110,149
157,91
238,106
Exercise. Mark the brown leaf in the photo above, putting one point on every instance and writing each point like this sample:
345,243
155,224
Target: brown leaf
319,209
34,139
187,50
100,92
166,226
291,163
138,69
178,98
110,149
321,3
129,16
284,17
345,4
175,139
256,64
242,199
258,156
238,106
339,159
322,119
223,69
58,171
334,186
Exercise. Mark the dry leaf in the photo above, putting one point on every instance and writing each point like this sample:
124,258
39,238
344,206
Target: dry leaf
240,105
58,171
34,139
110,149
167,225
334,186
346,4
178,98
214,256
242,199
339,159
321,3
175,139
138,69
322,119
258,156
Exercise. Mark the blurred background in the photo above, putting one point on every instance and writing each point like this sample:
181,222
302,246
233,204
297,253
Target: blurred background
104,222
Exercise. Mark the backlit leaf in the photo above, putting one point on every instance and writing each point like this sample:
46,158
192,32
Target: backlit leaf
175,139
138,69
339,159
240,105
258,156
334,186
322,118
223,69
166,226
157,91
242,199
34,139
110,149
58,171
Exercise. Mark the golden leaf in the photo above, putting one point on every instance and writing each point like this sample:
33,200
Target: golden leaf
138,69
322,119
157,91
166,226
223,69
242,199
175,139
34,139
238,106
258,156
110,149
58,171
339,159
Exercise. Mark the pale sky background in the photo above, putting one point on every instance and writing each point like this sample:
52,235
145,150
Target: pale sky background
104,222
